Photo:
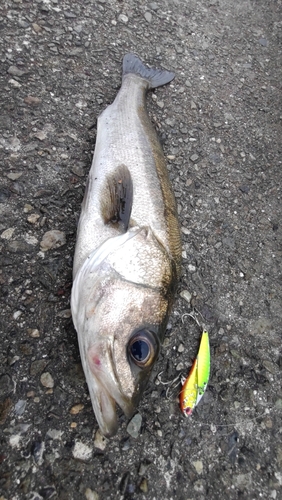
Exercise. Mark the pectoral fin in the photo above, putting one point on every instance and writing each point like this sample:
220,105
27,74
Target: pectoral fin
116,203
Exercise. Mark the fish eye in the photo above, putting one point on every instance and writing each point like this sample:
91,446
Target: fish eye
142,348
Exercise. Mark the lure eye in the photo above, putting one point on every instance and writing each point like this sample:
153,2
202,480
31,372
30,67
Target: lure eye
143,348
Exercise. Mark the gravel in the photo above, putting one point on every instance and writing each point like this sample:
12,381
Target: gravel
220,124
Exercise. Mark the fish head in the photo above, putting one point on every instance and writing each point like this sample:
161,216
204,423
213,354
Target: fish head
121,300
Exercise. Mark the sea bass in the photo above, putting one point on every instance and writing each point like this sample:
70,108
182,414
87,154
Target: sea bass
128,251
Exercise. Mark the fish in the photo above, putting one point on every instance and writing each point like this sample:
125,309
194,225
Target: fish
196,383
127,259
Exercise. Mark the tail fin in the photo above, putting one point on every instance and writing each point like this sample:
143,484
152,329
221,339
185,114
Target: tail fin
155,77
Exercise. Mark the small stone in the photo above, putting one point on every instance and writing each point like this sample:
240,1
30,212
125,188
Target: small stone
271,367
36,27
8,233
32,100
23,24
143,468
77,170
55,434
14,175
33,218
263,42
30,239
20,407
52,239
100,441
180,367
13,70
278,404
14,440
17,314
143,486
73,425
123,18
90,494
66,313
134,425
14,83
160,104
41,135
184,294
194,157
76,409
181,348
191,268
193,105
148,16
81,451
27,208
198,464
37,366
30,394
47,380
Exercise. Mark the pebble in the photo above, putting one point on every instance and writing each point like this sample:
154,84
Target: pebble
14,83
17,314
180,367
55,434
30,239
14,71
184,294
148,16
47,380
78,170
76,409
41,135
100,441
194,157
20,406
66,313
123,18
32,100
33,218
198,464
27,208
91,495
191,268
38,366
81,451
14,175
143,486
52,239
263,42
8,233
134,425
181,348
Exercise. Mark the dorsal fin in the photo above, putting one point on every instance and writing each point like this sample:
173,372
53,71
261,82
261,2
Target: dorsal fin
116,203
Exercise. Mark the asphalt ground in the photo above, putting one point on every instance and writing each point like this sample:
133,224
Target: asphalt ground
219,122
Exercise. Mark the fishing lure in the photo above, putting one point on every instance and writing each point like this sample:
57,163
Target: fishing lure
196,383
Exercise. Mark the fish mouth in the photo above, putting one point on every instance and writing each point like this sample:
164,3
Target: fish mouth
105,393
104,406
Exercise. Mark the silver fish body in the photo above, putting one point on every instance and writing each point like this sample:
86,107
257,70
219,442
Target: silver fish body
128,251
